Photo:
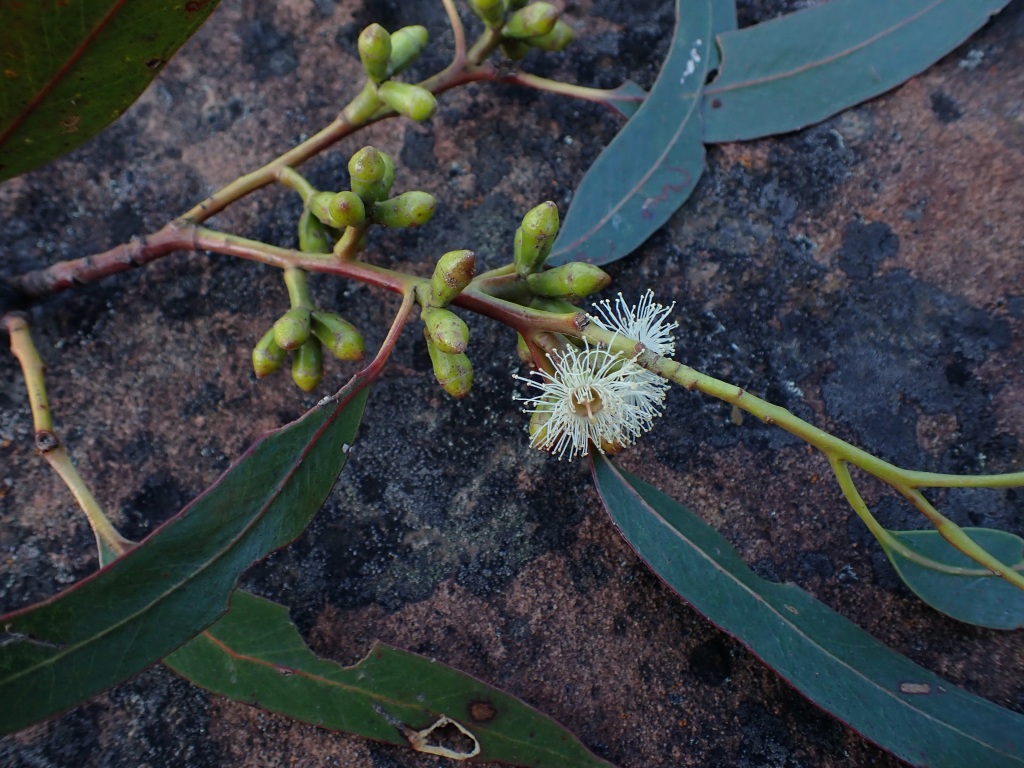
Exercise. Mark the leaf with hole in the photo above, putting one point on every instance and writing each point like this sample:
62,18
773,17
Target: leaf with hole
903,708
254,654
176,582
69,69
955,584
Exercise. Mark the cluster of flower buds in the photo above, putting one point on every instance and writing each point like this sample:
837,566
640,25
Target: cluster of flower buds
524,25
305,331
446,334
386,54
533,241
371,176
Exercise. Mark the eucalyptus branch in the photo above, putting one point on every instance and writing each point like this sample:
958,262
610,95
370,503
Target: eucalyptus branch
837,451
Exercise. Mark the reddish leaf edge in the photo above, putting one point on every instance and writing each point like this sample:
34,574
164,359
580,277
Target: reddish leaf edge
921,760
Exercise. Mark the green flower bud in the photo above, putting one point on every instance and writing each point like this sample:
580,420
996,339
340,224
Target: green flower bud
346,209
534,20
453,372
292,328
560,36
454,271
491,12
319,206
308,365
339,336
409,209
314,237
570,281
535,237
267,356
446,329
514,50
389,173
413,101
367,170
406,45
375,51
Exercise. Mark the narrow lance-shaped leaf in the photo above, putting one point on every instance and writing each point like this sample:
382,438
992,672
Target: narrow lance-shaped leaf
803,67
177,581
970,594
255,654
653,163
900,706
69,69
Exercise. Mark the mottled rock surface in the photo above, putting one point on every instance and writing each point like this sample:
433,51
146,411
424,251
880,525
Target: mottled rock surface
864,273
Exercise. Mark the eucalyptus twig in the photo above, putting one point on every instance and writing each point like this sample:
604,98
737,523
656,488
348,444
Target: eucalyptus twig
837,451
108,540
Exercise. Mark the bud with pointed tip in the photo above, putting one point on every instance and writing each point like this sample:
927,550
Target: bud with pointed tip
491,12
413,101
406,45
560,36
375,51
292,328
535,237
367,171
453,372
446,329
409,209
534,20
267,356
346,209
454,271
308,365
570,281
339,336
313,235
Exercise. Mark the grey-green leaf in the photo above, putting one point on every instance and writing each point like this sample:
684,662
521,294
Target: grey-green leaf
653,163
803,67
968,593
900,706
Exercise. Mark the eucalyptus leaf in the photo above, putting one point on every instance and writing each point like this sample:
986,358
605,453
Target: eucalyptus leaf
798,69
69,69
177,581
973,595
653,163
903,708
255,654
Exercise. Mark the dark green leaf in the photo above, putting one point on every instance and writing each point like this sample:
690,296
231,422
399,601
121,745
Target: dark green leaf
254,654
801,68
903,708
69,69
654,162
976,597
177,581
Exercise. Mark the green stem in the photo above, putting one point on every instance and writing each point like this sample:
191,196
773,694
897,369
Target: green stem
885,536
837,451
298,288
297,182
109,542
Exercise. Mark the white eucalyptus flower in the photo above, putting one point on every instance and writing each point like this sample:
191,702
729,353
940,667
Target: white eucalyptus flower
594,397
646,322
